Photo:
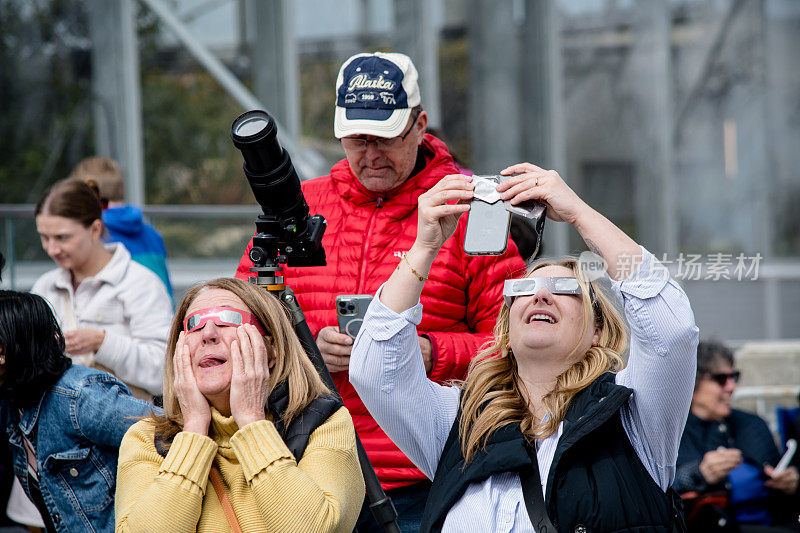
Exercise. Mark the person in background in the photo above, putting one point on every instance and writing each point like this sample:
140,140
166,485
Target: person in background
115,313
549,412
248,423
370,203
64,422
124,222
728,451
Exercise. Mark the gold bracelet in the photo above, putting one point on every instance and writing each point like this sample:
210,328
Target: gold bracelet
420,277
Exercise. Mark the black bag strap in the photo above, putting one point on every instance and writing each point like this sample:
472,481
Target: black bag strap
532,493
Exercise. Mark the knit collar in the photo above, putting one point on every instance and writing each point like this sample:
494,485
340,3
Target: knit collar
221,429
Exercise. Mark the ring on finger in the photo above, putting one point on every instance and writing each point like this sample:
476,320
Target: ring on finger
536,184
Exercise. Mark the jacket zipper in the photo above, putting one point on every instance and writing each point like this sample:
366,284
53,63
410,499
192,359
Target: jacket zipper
365,247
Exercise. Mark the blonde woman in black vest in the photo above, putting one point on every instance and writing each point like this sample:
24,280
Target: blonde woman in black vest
552,386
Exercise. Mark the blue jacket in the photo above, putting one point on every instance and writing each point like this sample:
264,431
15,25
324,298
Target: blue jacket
749,500
126,225
76,429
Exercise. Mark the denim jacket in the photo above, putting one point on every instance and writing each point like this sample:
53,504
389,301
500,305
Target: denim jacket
76,429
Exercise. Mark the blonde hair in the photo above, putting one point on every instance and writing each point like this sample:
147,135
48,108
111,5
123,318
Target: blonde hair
291,363
105,172
492,394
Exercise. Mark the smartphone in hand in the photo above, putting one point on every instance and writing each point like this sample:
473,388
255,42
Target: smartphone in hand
350,311
791,447
487,226
488,223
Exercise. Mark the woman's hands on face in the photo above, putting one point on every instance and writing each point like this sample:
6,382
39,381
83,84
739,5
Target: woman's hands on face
250,377
546,186
194,406
437,219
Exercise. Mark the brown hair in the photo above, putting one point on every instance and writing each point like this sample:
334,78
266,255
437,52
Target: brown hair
106,173
493,394
71,198
291,363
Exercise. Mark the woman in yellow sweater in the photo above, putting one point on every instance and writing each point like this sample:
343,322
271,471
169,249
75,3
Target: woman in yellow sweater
250,437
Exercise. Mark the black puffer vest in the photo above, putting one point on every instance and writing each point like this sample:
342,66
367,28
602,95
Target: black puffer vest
296,435
596,481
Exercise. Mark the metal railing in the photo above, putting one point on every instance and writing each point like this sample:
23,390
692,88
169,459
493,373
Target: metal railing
766,398
11,213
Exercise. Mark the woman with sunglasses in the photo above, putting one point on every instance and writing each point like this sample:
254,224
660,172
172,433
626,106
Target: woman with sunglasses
250,439
727,457
550,425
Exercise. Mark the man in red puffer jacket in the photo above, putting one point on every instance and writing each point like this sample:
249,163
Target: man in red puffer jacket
370,203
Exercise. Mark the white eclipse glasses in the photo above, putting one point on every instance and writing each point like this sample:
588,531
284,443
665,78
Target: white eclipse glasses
221,316
530,286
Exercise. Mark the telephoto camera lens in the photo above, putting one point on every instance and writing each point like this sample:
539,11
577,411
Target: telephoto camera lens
268,166
284,232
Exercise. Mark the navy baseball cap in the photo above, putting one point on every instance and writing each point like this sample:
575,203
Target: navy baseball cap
375,94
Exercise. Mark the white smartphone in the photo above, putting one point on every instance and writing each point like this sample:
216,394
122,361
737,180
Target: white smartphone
487,226
350,311
791,447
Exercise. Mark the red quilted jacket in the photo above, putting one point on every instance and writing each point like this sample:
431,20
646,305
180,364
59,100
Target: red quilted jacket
366,236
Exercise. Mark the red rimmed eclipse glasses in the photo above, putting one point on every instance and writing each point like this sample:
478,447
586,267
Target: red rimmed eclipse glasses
221,316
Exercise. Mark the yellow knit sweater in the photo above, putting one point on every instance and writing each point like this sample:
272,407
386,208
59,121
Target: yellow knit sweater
268,489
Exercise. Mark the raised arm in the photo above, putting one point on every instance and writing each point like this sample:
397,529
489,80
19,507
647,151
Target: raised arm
323,492
157,493
386,366
437,222
661,365
601,236
482,278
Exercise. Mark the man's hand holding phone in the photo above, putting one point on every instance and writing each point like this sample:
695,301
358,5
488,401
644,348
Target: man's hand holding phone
335,348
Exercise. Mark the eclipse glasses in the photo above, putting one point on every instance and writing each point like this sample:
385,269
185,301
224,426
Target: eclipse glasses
221,316
530,286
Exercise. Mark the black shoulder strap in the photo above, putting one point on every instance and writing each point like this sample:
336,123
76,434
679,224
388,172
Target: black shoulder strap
532,493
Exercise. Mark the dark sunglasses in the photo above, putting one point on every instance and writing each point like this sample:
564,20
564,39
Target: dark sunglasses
723,377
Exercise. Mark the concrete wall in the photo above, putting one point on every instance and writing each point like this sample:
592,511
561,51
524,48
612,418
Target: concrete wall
774,365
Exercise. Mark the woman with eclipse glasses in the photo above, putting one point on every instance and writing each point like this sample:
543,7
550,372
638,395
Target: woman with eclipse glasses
250,439
550,425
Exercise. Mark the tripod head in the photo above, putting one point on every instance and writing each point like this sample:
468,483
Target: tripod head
285,233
